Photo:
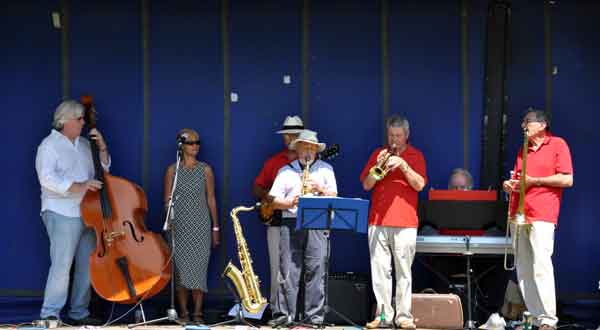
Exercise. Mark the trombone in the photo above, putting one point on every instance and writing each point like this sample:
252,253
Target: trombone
379,171
519,222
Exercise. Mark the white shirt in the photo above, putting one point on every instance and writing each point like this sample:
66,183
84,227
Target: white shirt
288,182
60,163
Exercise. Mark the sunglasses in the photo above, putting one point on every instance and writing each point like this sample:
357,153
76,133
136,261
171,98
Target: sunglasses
191,143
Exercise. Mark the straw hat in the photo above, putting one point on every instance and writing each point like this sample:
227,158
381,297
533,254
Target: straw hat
291,125
307,136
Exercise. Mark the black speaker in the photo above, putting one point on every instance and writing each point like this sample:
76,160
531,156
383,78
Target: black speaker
349,294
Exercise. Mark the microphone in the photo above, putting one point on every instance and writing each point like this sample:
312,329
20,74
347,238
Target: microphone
181,139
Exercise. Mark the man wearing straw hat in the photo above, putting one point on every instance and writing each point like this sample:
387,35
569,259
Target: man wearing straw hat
303,247
292,126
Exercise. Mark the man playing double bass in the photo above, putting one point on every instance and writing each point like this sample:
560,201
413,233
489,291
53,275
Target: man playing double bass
65,171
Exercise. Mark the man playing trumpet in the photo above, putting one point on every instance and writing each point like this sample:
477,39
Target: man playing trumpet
395,174
548,171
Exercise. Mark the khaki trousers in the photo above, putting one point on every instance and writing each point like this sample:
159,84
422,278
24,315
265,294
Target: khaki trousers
535,272
387,244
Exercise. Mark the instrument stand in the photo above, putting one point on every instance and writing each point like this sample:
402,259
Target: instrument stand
469,324
239,315
470,285
350,215
326,306
139,314
168,224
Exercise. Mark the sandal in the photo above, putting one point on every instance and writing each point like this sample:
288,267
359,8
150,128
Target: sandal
197,318
184,318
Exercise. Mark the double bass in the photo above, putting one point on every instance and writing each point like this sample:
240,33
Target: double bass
130,262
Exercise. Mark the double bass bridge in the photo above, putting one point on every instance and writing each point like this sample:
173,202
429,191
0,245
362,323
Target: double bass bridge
109,237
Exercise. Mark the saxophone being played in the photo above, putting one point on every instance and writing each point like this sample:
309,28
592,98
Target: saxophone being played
245,281
306,190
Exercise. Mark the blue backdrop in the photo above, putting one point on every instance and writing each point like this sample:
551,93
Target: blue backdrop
345,99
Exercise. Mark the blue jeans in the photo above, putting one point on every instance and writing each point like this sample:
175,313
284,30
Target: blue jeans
70,241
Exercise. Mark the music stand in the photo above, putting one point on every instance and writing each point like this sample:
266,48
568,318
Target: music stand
332,213
238,312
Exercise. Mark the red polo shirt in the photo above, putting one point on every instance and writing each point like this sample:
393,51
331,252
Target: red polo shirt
393,200
552,157
267,174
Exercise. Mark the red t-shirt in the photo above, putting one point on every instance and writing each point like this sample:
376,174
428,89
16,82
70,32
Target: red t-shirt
267,174
393,200
552,157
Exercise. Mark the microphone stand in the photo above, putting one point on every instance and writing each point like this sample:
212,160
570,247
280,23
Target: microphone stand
168,225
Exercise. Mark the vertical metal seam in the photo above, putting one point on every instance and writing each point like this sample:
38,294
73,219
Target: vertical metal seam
464,32
146,93
548,55
306,63
385,65
65,48
226,123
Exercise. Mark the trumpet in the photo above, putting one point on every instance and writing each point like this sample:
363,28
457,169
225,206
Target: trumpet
519,222
379,171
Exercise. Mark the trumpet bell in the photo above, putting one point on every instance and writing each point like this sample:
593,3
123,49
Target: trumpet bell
377,173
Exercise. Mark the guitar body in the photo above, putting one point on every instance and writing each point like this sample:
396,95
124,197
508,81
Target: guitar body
266,212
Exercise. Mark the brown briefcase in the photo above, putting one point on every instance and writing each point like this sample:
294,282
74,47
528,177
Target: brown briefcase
437,311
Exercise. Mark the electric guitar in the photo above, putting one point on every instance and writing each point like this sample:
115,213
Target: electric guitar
267,214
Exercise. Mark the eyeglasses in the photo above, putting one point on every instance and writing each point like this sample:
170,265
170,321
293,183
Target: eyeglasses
531,120
190,143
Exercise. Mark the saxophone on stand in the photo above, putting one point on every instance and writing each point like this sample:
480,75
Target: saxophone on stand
247,284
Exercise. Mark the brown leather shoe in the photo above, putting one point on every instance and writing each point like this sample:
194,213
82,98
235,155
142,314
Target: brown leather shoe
376,324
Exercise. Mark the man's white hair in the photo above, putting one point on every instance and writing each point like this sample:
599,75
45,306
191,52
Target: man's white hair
65,111
397,120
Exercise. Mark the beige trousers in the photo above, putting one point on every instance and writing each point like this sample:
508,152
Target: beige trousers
535,272
387,244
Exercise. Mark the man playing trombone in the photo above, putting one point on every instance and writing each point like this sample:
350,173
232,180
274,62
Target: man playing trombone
548,171
395,174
